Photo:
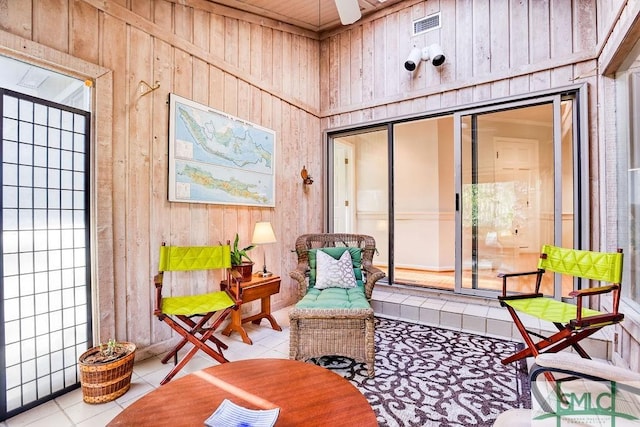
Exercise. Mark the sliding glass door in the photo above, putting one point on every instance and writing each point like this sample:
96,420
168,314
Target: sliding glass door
455,199
516,192
423,203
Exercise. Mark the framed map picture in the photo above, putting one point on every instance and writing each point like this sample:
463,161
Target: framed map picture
218,158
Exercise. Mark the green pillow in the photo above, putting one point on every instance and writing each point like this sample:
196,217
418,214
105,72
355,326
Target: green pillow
336,253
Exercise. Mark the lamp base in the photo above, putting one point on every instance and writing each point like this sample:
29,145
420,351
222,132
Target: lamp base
265,274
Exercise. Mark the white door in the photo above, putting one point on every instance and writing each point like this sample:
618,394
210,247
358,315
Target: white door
516,165
343,186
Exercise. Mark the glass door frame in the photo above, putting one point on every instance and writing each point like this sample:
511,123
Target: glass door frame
580,151
580,178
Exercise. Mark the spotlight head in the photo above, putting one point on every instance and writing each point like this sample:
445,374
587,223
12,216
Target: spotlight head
415,56
434,52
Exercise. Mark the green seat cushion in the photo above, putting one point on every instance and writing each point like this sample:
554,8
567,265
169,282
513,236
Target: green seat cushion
549,309
197,304
332,298
336,253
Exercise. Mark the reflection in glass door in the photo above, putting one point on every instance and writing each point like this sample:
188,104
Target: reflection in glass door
359,188
516,194
424,203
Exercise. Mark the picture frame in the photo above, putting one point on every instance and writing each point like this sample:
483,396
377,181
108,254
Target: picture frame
217,158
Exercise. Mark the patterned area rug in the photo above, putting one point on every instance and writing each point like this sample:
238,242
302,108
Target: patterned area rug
428,376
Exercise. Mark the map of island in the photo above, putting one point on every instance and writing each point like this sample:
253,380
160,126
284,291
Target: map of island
217,158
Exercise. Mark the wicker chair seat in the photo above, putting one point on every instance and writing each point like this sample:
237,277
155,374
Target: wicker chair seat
335,298
334,321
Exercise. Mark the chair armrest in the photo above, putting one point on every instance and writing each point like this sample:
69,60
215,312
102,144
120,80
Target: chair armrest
157,281
235,274
505,276
235,278
593,291
580,322
300,276
599,320
373,274
522,273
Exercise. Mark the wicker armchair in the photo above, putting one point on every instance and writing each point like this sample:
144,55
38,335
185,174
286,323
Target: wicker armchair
348,332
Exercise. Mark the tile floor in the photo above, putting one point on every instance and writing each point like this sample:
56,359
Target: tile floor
475,315
70,410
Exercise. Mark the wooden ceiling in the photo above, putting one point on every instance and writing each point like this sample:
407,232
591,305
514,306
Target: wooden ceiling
314,15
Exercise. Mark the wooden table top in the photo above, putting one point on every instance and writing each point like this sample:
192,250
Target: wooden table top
307,395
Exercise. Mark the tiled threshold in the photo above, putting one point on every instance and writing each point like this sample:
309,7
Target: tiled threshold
470,314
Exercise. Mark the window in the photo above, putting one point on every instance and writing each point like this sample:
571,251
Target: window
628,94
45,281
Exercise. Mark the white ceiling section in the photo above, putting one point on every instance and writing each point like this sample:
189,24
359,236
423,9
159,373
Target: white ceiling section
314,15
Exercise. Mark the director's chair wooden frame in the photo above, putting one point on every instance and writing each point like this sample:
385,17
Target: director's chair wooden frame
192,316
574,322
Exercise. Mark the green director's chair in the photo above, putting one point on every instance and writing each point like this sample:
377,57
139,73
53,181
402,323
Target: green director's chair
188,315
574,322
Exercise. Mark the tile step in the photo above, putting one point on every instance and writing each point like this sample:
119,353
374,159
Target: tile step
470,314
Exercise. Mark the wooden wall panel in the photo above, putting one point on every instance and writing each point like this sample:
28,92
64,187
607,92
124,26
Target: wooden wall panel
462,63
487,56
519,26
183,22
160,213
142,8
163,14
51,23
482,31
112,291
17,18
499,36
84,44
201,29
538,47
137,195
261,74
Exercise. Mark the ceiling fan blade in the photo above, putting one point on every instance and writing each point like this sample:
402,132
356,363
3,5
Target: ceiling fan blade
349,11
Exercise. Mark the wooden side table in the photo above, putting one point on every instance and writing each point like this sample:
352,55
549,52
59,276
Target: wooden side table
259,287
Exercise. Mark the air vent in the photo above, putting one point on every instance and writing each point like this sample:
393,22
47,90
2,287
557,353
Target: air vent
428,23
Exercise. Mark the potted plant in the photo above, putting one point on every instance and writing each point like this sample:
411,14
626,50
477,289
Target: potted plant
245,268
105,371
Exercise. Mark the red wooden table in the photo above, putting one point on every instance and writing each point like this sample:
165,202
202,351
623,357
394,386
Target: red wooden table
306,394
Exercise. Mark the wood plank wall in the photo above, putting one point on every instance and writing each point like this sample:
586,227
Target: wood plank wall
290,80
493,49
234,62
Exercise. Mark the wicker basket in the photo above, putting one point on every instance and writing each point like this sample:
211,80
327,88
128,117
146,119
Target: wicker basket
104,382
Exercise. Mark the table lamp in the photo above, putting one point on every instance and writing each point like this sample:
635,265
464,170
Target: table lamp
263,234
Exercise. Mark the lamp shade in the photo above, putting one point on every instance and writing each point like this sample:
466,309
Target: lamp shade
263,233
